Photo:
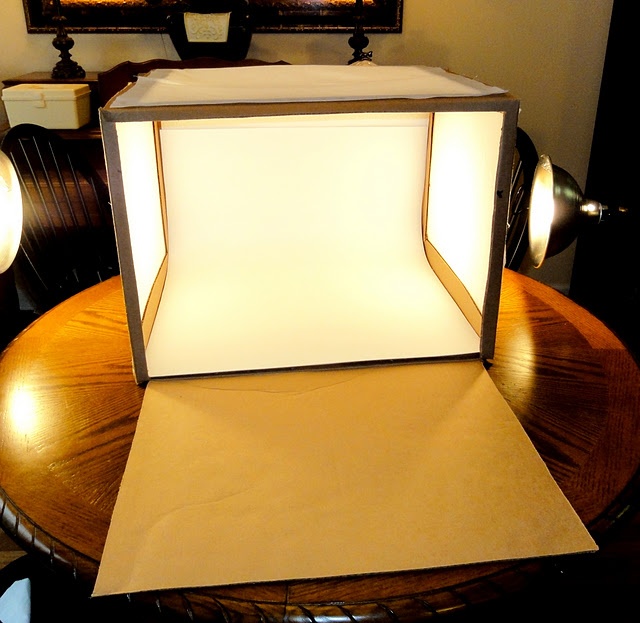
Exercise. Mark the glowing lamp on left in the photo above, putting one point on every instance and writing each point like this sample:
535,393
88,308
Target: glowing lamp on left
10,213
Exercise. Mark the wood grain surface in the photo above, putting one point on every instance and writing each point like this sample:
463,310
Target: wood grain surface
68,412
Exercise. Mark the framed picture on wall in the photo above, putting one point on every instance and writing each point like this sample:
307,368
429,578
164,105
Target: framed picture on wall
267,15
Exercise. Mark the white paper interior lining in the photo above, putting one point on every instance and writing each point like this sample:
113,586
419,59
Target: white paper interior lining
323,265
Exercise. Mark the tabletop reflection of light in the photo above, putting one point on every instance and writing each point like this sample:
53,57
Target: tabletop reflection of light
22,410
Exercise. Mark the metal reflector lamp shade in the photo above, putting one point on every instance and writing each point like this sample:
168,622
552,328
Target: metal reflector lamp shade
557,211
10,213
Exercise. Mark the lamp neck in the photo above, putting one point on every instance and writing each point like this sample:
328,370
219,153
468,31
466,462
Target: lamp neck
594,211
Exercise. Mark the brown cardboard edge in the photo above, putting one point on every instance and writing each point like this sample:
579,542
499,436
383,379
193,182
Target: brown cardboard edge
484,322
153,303
499,229
155,296
443,271
126,88
323,367
454,287
125,253
135,321
500,102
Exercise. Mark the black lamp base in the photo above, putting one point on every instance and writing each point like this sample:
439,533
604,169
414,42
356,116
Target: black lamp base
65,68
358,40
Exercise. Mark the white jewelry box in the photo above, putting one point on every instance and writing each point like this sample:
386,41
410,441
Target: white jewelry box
54,106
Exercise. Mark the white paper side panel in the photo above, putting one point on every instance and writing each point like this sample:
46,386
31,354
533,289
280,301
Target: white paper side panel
142,193
464,163
299,242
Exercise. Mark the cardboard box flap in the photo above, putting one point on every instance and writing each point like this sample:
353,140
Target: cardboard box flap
308,474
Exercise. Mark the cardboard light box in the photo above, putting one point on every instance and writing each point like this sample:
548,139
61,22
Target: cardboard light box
311,260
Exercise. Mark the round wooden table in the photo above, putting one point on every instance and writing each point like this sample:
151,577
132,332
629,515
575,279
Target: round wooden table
68,412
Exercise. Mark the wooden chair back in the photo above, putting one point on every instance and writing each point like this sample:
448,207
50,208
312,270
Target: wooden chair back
68,238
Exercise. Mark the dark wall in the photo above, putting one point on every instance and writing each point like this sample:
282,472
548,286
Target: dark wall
606,274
